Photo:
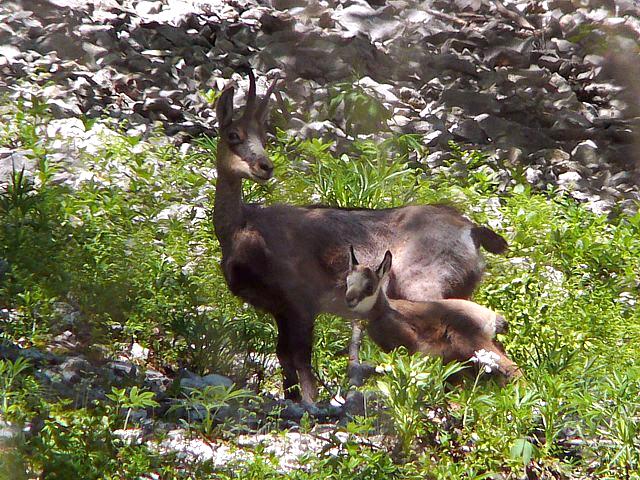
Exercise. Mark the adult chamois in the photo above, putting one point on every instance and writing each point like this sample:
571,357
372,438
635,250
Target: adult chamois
289,261
452,329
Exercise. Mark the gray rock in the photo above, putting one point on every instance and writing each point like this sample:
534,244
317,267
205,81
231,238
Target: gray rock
551,62
193,381
586,153
552,156
354,404
506,57
315,129
123,368
65,341
470,130
137,416
15,161
160,105
292,411
72,369
37,357
138,352
474,103
569,179
8,432
67,315
215,380
64,108
8,350
506,133
10,53
156,381
533,175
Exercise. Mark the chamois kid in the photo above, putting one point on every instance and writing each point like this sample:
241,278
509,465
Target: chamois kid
289,261
453,329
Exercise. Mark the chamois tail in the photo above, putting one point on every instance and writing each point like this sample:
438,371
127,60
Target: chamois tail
488,239
502,326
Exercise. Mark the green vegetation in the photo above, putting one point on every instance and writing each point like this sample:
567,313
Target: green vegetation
133,246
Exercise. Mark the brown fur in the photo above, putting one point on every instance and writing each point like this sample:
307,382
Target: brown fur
288,260
452,329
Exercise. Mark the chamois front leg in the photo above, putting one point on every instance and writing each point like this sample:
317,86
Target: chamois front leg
285,357
295,343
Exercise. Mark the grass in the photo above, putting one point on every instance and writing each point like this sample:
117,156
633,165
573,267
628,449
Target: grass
133,247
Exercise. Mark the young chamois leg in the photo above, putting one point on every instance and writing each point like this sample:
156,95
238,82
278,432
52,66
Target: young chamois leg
501,366
508,369
353,366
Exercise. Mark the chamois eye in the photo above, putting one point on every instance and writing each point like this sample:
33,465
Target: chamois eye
233,137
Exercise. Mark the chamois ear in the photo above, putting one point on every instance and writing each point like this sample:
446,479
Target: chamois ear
250,107
353,261
385,266
262,111
224,107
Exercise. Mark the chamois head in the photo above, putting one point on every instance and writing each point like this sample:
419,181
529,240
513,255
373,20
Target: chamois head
241,141
364,283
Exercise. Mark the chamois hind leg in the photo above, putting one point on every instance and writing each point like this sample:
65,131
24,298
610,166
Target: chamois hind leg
285,357
301,341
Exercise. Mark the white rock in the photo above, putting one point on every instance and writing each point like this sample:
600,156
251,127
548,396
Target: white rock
148,8
569,179
384,90
138,352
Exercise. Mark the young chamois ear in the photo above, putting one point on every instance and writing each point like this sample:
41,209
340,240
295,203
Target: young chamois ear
385,266
353,261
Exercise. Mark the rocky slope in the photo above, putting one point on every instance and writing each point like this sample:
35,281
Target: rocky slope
548,87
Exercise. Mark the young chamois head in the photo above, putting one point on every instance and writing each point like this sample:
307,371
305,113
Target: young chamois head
364,283
241,142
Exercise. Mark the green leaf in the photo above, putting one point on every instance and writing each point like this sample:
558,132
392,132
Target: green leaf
384,388
522,449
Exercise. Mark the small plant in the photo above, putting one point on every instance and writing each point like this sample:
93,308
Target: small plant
368,179
206,403
211,95
411,386
129,400
10,375
363,113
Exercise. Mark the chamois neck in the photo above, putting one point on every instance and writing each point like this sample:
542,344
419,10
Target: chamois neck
381,305
227,208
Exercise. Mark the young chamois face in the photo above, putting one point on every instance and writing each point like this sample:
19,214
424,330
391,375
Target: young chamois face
364,283
241,141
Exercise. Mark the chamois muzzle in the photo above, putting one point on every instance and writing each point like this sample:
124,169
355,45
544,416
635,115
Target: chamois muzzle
352,302
352,298
262,169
